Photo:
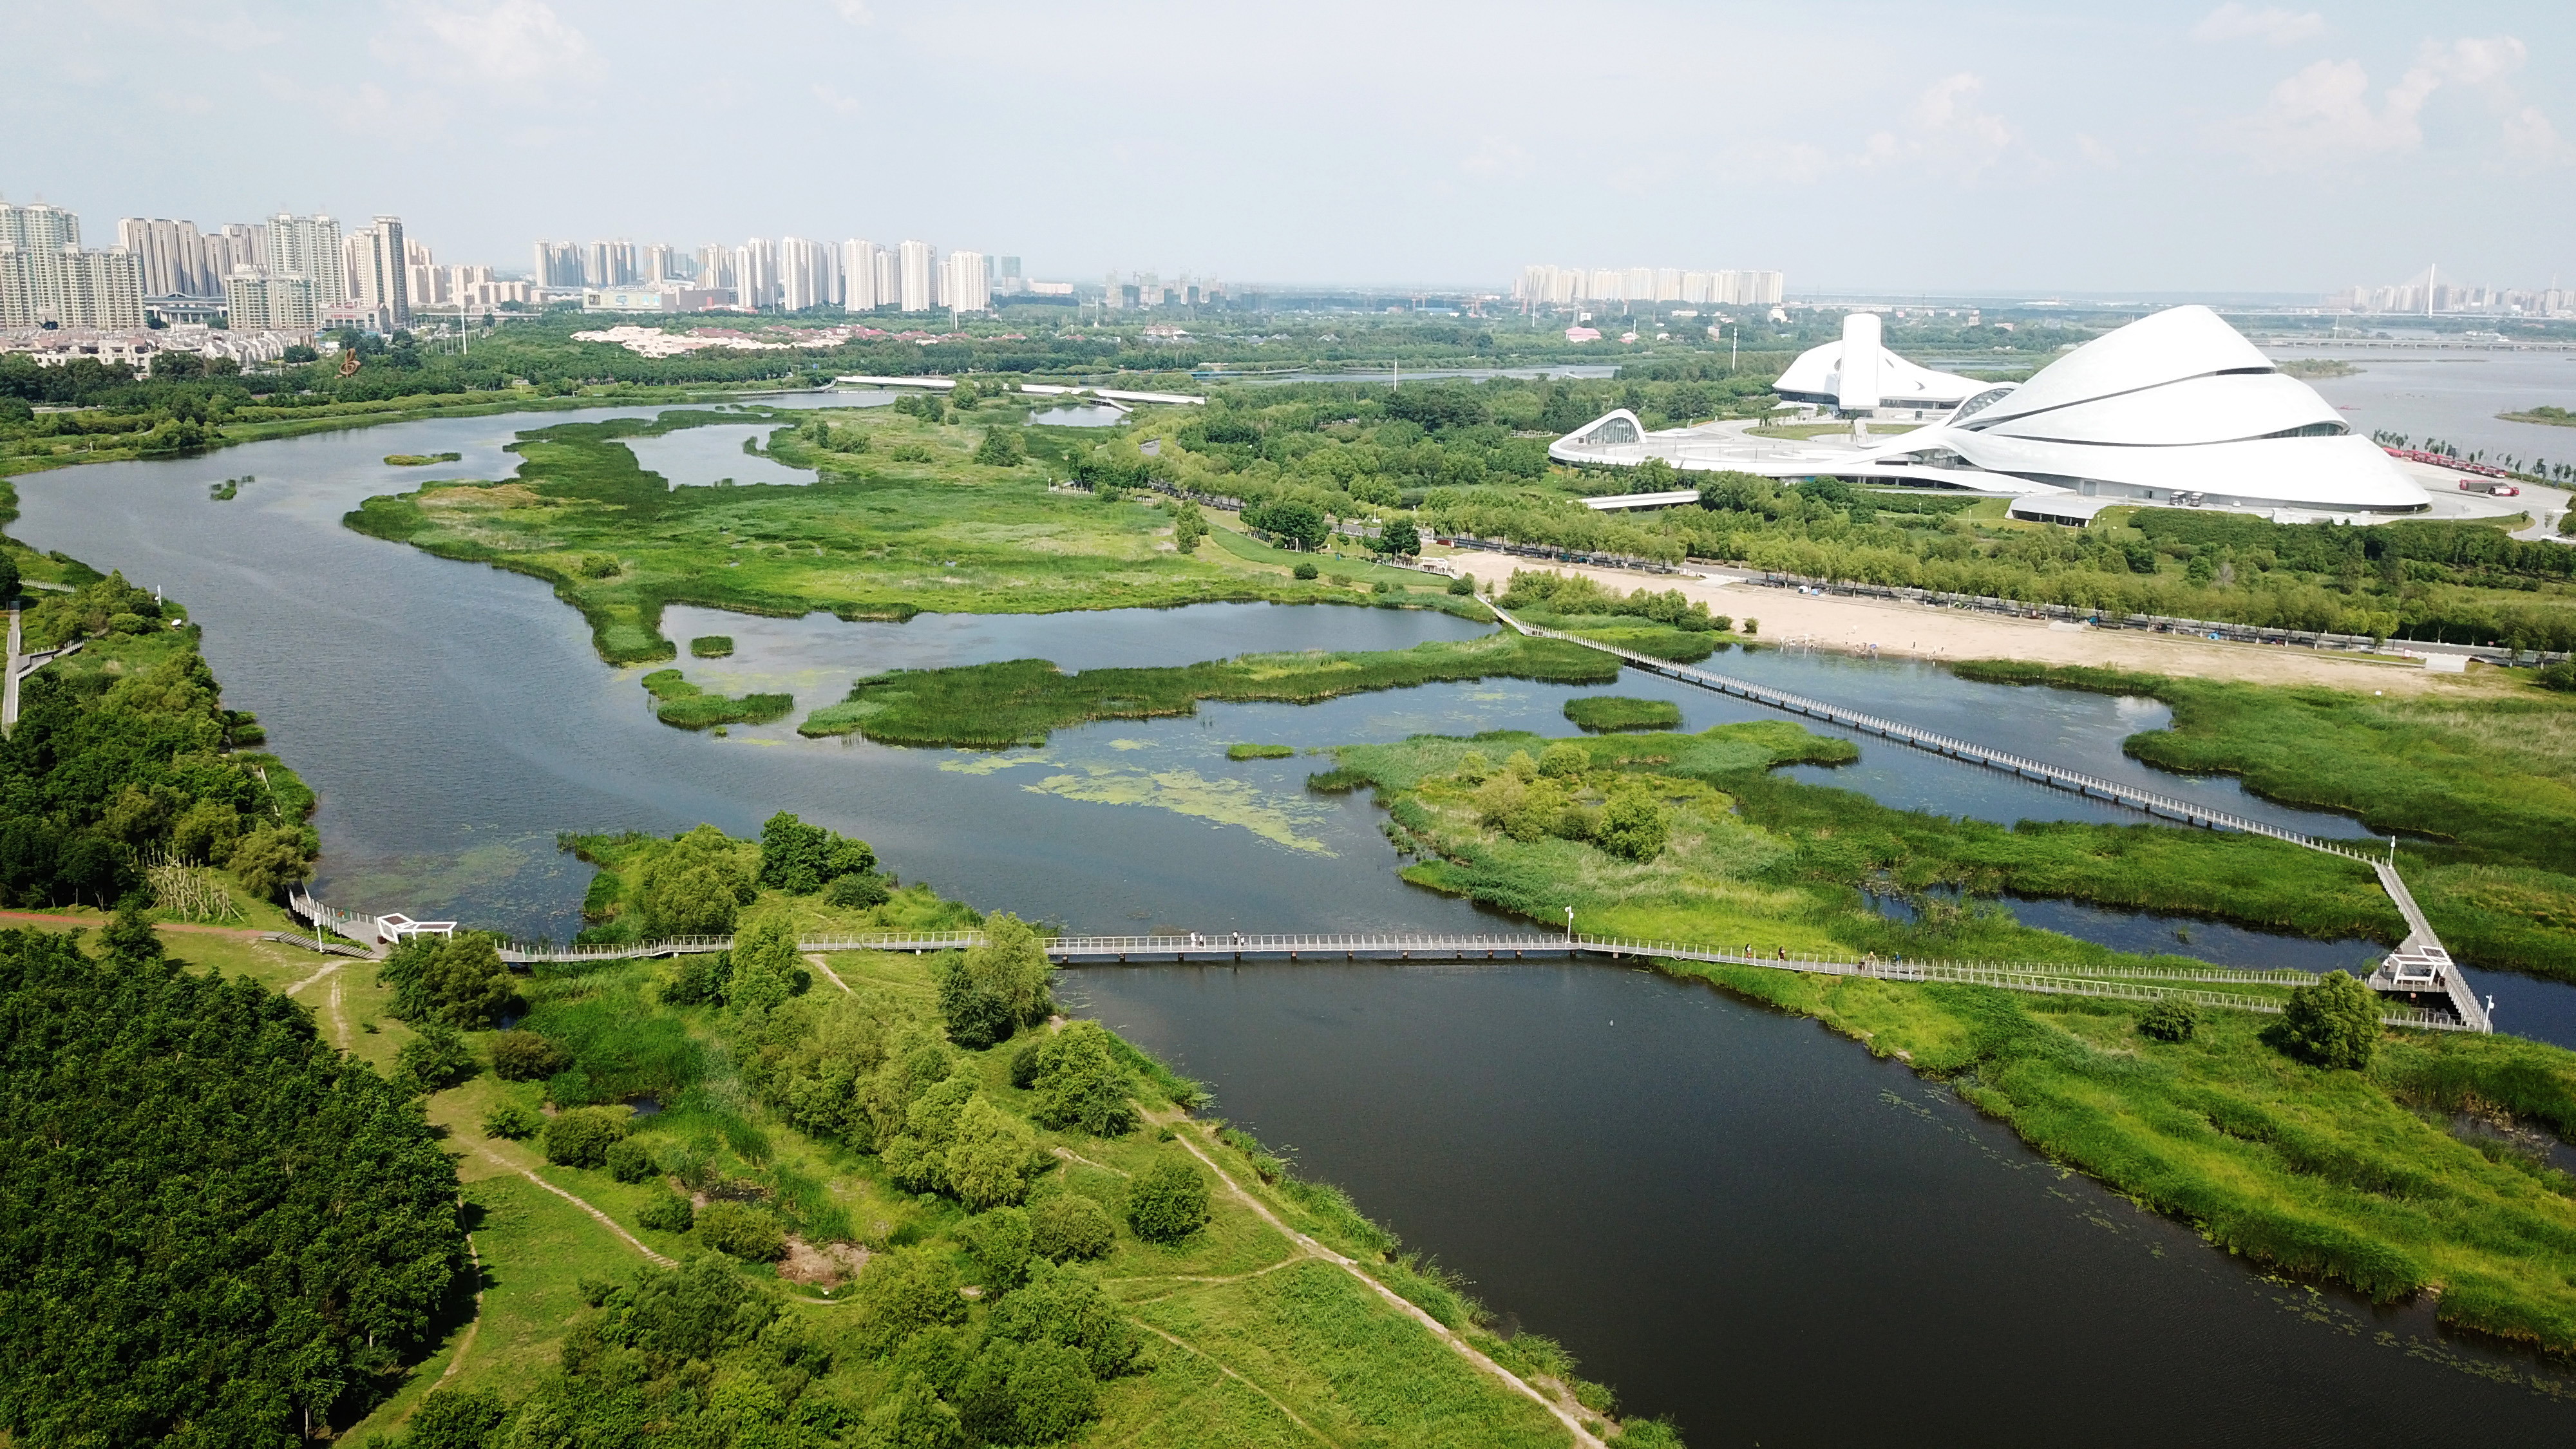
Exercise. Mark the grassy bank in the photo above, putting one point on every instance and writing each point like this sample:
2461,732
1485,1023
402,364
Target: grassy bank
2489,788
901,520
760,1107
1019,702
2355,1176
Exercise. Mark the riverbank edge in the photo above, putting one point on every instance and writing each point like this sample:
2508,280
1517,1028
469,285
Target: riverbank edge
1759,987
411,409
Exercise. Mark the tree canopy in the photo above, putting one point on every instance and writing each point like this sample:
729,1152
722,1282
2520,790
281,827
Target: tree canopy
212,1225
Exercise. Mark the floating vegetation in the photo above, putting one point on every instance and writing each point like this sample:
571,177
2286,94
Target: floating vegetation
1610,713
686,706
229,489
712,646
1259,752
422,460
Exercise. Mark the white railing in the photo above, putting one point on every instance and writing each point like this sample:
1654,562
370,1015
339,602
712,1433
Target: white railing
2133,983
342,923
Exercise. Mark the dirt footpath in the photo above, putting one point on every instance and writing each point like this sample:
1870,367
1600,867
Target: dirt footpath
1914,631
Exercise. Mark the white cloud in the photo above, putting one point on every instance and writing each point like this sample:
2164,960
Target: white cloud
1945,131
2271,25
503,43
2095,151
841,101
1497,160
2325,113
855,11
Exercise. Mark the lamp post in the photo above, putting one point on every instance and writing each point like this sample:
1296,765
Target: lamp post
1569,923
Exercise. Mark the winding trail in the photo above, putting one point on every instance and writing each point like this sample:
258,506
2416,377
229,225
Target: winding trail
828,974
1187,1133
309,980
605,1220
466,1343
1228,1370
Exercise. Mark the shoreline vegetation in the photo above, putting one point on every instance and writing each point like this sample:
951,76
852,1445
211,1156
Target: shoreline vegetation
2359,1176
2483,795
905,516
994,706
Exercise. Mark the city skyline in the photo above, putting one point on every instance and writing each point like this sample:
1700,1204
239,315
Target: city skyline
2154,148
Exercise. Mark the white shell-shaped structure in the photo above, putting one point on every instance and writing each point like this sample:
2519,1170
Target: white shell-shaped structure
2175,409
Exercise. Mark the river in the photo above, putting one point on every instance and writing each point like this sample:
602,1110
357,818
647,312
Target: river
1792,1215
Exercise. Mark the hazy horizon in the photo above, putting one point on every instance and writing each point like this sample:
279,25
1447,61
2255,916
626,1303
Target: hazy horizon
2167,149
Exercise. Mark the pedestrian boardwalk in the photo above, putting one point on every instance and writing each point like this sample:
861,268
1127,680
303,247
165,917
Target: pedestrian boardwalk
2464,1001
2137,983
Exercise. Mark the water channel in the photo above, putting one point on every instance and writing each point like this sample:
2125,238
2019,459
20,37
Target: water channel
1811,1246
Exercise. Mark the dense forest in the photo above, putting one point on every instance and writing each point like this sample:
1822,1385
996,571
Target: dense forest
216,1230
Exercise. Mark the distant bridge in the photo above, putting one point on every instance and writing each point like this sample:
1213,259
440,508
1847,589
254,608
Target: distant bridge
2421,965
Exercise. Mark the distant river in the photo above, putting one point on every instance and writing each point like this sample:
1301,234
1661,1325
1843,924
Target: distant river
1735,1216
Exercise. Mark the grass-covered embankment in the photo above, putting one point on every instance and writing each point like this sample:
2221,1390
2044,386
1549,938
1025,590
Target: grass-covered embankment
930,1213
902,519
1020,701
2355,1176
2491,781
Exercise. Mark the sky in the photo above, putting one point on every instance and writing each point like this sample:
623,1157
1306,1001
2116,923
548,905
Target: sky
2077,148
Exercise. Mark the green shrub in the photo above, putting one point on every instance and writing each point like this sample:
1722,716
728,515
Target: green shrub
1564,760
525,1056
600,566
995,989
1259,752
629,1160
742,1231
1003,1241
2561,675
1462,586
2332,1024
711,646
858,892
2169,1020
456,979
903,1292
1169,1202
438,1058
512,1121
582,1136
1305,570
1607,713
1080,1082
668,1212
453,1418
1069,1226
1634,824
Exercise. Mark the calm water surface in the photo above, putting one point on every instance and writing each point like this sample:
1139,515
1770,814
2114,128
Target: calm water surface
1782,1201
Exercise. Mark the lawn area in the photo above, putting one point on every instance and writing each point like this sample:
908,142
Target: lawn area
1246,1336
901,520
2353,1175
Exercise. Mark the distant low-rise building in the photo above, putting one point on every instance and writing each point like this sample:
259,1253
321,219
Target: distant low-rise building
663,297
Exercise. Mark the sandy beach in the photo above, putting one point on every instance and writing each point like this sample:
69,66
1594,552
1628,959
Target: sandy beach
1862,626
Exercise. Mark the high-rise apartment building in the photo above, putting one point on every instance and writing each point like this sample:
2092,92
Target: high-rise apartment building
809,274
172,256
1006,277
861,261
963,285
46,277
662,264
610,264
378,277
558,264
755,268
715,268
257,301
309,247
917,271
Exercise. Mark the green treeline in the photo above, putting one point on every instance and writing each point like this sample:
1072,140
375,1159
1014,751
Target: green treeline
124,775
990,706
216,1228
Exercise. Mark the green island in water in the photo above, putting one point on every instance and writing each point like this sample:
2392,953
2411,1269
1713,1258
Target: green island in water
899,1199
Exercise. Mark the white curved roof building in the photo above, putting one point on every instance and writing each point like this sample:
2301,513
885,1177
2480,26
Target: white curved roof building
1877,379
2175,409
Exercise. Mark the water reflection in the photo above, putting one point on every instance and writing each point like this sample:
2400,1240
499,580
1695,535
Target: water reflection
716,453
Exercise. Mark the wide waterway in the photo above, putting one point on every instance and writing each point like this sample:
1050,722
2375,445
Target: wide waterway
1731,1214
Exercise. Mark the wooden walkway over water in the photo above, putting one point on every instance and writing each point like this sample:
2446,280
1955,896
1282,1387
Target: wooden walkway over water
2137,983
2446,978
2432,971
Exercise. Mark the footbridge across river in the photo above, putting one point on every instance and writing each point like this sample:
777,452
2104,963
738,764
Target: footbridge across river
2143,983
2419,967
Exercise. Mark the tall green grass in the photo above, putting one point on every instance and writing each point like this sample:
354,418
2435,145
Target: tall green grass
1020,702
